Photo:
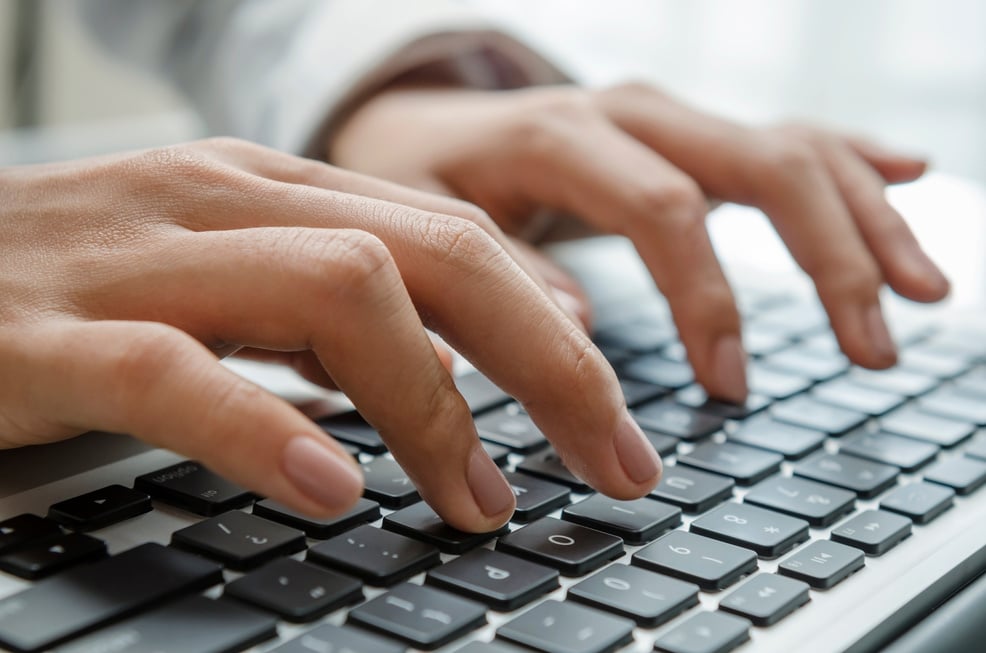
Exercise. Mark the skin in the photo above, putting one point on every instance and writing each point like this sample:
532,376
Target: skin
126,277
631,160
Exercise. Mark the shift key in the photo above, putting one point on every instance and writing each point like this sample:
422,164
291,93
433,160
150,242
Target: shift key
82,599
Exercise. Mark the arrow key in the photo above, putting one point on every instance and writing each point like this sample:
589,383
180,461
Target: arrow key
823,564
45,558
873,531
99,508
766,598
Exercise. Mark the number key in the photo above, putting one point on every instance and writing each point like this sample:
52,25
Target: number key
649,599
768,533
571,549
710,564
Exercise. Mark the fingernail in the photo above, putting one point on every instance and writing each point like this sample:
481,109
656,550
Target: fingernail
637,457
489,489
730,369
320,474
881,342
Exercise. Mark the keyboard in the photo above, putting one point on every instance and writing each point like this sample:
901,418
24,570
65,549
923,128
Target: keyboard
833,504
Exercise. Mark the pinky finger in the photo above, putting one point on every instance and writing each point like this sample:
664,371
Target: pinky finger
162,386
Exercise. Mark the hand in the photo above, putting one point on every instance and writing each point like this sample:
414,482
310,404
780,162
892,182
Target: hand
123,276
632,161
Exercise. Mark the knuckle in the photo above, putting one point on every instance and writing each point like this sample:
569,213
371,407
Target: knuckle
546,125
344,261
788,157
461,244
859,282
146,355
679,203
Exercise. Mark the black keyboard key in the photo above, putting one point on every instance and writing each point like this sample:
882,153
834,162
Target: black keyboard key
765,599
535,497
548,465
895,380
424,617
745,465
22,530
81,599
495,646
822,563
906,453
51,556
657,370
571,549
480,393
497,453
812,414
709,563
192,487
692,490
664,445
637,392
873,531
695,397
768,533
637,336
511,428
386,483
864,477
635,522
329,638
192,625
951,403
100,508
422,523
774,383
912,422
319,528
706,632
808,363
649,599
819,504
294,590
962,474
351,428
846,393
565,627
670,418
377,556
239,540
920,501
790,441
502,581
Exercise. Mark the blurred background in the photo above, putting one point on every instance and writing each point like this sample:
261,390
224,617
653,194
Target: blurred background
909,72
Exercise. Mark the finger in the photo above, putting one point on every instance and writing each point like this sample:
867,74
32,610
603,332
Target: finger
589,167
305,363
470,291
162,386
893,167
309,367
568,292
339,293
904,264
787,179
284,168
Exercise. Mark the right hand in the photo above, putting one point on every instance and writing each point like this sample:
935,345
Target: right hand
125,276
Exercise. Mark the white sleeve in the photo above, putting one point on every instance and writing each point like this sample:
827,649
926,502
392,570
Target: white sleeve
278,72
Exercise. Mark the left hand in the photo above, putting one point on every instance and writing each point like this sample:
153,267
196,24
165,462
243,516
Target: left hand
631,160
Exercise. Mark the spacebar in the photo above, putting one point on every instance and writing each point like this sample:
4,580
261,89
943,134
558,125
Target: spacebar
85,598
